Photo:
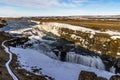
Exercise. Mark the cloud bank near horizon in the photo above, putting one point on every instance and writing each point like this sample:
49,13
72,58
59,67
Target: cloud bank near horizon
42,4
58,7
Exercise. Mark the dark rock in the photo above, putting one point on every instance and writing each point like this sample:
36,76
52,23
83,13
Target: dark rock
85,75
108,61
60,51
117,66
0,72
3,23
115,77
101,78
63,56
19,42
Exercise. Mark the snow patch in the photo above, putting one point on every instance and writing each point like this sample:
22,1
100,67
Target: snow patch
118,53
115,37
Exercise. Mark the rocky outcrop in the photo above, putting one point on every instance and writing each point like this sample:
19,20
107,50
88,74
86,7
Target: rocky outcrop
19,42
111,62
117,66
101,78
85,75
115,77
97,41
3,23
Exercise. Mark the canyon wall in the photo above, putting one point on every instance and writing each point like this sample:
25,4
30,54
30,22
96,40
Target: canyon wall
97,41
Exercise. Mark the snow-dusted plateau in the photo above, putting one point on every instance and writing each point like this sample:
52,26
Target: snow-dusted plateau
48,51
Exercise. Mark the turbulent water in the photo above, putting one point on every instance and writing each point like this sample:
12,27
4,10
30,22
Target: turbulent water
52,45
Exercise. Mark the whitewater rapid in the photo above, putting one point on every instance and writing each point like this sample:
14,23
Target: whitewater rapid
9,61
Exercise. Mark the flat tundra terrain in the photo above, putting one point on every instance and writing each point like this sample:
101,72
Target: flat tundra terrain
93,24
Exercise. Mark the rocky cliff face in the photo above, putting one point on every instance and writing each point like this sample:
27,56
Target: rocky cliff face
85,75
3,23
101,42
106,43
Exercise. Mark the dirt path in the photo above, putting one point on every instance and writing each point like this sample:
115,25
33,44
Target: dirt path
9,61
4,57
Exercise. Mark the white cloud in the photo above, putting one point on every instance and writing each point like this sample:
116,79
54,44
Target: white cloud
38,7
37,3
12,12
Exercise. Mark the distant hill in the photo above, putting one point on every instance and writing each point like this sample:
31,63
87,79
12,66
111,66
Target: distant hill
76,17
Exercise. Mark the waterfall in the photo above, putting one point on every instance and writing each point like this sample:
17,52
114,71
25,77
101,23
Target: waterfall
91,61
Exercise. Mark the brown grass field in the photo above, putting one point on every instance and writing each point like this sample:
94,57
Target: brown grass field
93,24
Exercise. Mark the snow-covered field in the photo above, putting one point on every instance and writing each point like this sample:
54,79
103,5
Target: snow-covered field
40,57
54,68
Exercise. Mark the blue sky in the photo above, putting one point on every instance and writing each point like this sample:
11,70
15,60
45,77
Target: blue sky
17,8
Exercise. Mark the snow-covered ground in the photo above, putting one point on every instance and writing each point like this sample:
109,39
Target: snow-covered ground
54,68
40,56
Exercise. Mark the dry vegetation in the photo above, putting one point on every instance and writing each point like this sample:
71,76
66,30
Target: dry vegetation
4,75
94,24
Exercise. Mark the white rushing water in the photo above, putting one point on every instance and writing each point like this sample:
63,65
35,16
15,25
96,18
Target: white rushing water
9,61
91,61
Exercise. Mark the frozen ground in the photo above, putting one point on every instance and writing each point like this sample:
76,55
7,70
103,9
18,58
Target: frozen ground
54,68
